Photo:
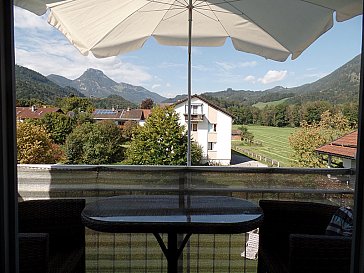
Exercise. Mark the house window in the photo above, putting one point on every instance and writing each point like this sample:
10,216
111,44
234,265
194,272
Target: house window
194,127
211,146
212,127
194,109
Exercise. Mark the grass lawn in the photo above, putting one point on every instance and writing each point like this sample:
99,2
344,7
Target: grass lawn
141,253
261,105
274,142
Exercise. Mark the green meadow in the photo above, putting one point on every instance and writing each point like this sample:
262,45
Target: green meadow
274,143
261,105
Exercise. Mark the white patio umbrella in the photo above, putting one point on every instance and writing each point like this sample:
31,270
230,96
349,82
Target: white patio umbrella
274,29
294,33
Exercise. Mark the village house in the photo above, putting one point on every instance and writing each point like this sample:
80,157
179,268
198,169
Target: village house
120,116
236,135
210,127
23,113
343,148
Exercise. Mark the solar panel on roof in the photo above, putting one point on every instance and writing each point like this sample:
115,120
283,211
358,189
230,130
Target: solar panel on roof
104,112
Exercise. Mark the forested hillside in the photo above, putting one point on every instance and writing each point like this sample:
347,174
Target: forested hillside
340,86
31,85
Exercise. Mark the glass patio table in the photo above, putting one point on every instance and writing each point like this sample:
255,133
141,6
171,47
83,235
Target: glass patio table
172,214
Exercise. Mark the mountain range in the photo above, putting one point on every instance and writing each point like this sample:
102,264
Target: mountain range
340,86
94,83
33,85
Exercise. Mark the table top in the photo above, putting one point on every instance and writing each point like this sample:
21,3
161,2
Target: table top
172,213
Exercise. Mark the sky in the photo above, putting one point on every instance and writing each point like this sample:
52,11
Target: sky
163,69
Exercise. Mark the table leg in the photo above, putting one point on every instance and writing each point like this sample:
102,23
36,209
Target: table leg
173,252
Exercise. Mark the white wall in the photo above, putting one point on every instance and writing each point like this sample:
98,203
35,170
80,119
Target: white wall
221,154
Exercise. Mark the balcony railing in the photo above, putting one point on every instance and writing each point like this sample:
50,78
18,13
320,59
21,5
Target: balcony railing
195,117
204,253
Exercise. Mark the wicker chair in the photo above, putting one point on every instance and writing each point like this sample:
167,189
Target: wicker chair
292,239
51,236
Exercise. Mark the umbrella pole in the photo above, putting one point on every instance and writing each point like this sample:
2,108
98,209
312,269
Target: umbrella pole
189,83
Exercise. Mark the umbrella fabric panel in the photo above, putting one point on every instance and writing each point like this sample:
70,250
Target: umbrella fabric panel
107,28
345,9
272,29
36,6
295,26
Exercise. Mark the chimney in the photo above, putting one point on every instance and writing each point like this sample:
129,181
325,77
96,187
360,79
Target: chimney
34,108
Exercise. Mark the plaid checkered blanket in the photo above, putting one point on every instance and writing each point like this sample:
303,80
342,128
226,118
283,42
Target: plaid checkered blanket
341,222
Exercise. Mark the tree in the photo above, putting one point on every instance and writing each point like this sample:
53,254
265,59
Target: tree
245,134
76,104
311,136
312,110
35,145
351,112
267,116
280,115
147,104
58,125
128,129
294,115
161,141
94,143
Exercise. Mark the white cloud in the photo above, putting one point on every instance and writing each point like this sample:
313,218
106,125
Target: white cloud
24,19
225,65
230,66
273,76
154,86
50,54
201,68
250,79
169,65
247,64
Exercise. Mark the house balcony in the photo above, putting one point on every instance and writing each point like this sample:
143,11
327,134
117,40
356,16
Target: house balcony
195,117
106,252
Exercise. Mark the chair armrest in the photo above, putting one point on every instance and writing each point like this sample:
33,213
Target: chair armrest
33,252
319,253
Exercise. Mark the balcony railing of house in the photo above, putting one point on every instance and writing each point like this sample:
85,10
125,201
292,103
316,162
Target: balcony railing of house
204,253
195,117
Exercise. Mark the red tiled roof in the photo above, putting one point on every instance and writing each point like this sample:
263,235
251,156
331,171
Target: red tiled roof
146,112
135,114
29,112
342,147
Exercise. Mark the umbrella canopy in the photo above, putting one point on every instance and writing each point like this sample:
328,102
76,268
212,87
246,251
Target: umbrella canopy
272,29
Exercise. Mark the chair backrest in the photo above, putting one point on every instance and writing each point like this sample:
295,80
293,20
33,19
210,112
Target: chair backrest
61,219
282,218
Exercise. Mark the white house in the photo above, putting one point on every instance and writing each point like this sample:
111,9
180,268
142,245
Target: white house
210,128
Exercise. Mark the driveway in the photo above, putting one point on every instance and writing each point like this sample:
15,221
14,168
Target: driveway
239,160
